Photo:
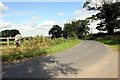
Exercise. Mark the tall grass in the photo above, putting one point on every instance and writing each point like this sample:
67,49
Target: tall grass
33,47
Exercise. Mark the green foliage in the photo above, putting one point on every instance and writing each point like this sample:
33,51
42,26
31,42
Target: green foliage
75,29
108,16
109,12
110,39
55,31
63,46
8,33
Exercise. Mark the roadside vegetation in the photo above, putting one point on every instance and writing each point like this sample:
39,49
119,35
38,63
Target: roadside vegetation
112,40
36,47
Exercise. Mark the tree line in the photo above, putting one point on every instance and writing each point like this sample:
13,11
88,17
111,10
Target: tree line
109,14
9,33
76,28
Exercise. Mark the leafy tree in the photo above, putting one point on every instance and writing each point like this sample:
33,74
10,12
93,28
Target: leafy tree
55,31
109,12
83,28
69,30
108,16
77,28
9,33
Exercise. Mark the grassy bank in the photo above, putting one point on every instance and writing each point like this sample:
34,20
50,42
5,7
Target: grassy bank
113,41
63,46
37,48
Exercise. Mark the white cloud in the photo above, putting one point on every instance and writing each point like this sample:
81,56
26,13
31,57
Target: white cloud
3,7
84,13
45,26
35,18
21,13
28,29
93,26
4,24
61,14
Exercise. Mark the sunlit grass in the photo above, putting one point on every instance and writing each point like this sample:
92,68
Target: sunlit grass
63,46
36,47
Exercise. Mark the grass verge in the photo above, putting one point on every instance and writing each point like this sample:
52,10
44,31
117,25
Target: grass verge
51,49
112,42
63,46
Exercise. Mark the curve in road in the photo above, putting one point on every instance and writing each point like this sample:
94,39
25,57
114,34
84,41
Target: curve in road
89,59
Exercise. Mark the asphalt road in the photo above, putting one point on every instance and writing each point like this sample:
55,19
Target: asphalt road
89,59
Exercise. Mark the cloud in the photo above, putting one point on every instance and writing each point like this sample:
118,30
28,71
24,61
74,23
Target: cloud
3,7
93,26
4,24
28,29
61,14
21,13
35,19
40,28
83,13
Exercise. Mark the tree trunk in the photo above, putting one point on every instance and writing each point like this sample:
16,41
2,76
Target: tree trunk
110,31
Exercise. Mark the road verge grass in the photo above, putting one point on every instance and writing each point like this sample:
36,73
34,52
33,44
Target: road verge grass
63,46
112,41
56,46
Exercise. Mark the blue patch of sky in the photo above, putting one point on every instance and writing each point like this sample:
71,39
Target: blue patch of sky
20,12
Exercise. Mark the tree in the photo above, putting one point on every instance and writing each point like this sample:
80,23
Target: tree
108,16
109,12
9,33
77,28
55,31
69,30
14,32
83,28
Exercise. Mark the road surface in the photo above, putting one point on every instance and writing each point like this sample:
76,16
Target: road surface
89,59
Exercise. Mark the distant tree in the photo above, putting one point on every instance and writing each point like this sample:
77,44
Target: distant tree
69,30
8,33
82,28
14,32
55,31
77,28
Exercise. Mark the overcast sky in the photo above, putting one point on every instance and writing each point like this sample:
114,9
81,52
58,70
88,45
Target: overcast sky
36,18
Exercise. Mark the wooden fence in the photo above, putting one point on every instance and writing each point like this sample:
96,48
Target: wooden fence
7,42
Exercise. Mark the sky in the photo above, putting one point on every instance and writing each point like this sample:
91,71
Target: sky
36,18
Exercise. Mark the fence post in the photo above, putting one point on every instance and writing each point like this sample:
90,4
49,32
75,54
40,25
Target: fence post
43,39
8,41
24,39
